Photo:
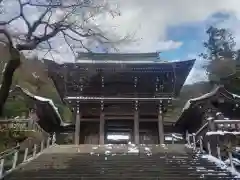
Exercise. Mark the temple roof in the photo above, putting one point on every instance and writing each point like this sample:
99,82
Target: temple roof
218,100
119,79
47,112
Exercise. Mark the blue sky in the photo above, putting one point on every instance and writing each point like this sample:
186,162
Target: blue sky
192,36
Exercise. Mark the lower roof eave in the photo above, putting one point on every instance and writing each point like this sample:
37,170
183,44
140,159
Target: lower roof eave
84,98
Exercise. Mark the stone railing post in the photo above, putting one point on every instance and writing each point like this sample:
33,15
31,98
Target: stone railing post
230,159
53,138
230,153
42,145
48,142
201,144
1,167
25,155
15,158
209,148
172,138
34,150
194,141
219,152
211,124
187,138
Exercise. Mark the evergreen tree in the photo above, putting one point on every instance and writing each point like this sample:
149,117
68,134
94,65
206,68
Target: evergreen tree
220,54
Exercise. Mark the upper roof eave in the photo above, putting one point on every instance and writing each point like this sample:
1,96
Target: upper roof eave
116,56
119,62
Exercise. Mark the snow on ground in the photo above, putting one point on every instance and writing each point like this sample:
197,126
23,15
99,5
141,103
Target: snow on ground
132,148
236,162
221,164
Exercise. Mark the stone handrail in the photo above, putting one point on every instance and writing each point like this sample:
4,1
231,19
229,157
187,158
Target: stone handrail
8,151
213,130
201,129
14,157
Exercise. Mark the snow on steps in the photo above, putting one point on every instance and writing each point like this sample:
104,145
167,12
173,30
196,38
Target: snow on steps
112,162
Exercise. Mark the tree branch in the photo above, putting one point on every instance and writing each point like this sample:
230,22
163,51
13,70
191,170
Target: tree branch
78,4
21,5
37,23
3,23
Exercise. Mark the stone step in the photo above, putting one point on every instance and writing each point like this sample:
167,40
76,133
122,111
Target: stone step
125,178
86,166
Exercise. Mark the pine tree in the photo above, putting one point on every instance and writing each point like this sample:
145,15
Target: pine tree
220,54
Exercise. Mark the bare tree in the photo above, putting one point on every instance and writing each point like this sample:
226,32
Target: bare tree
71,23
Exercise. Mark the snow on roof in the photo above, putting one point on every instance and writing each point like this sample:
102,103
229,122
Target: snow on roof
207,95
222,133
43,99
204,96
113,98
111,61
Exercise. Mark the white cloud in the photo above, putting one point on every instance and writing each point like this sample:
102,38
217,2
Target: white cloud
168,45
149,20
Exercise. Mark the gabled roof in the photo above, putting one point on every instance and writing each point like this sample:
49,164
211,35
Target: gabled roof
187,112
57,120
218,89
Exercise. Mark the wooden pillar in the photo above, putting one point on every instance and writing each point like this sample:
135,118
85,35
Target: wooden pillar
102,129
77,127
136,127
160,125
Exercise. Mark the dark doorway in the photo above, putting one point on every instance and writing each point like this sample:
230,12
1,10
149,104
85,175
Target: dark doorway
148,132
118,131
89,132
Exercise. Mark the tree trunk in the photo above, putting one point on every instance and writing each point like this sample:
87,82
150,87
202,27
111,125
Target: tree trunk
7,79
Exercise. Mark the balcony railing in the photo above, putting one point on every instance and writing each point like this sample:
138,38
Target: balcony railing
225,130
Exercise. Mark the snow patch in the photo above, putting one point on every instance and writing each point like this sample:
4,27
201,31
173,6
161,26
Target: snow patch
221,164
35,75
205,96
236,161
132,148
236,96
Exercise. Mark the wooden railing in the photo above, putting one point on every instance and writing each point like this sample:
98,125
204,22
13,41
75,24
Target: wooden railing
215,127
10,159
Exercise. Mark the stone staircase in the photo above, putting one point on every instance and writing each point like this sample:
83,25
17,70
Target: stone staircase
118,162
